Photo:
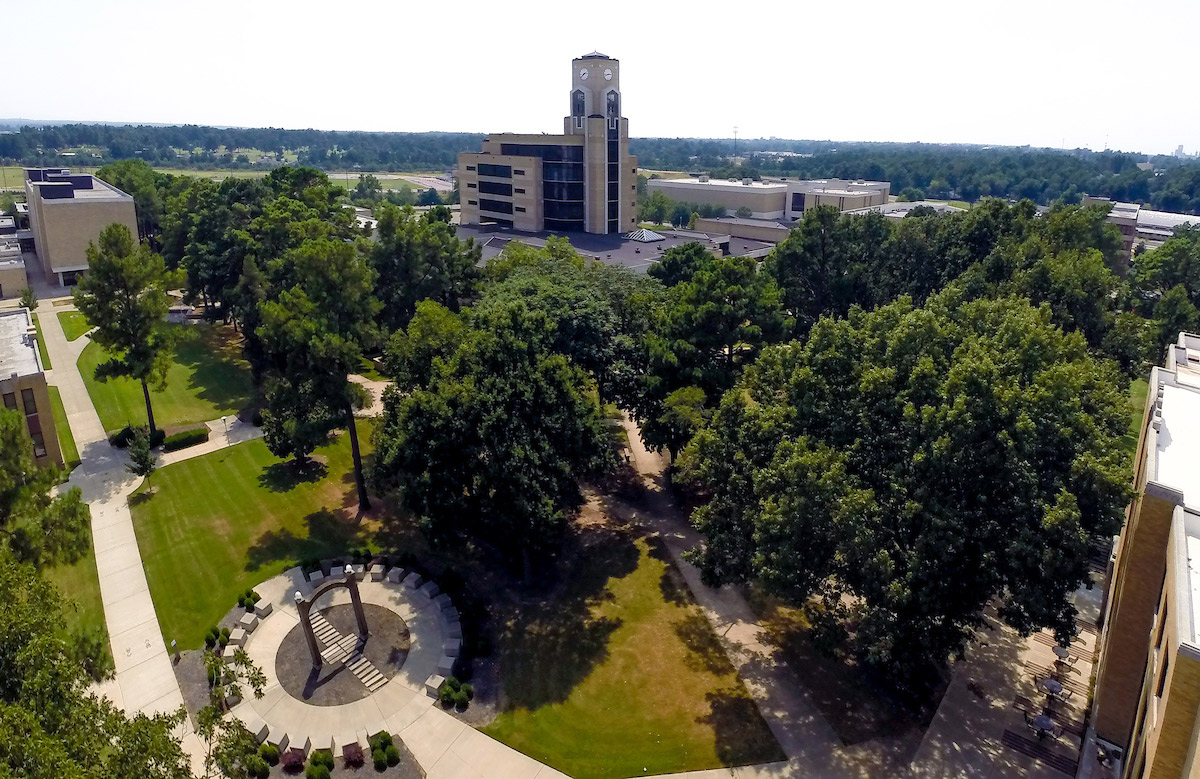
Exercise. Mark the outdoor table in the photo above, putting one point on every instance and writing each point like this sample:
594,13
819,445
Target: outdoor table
1043,722
1052,686
1061,652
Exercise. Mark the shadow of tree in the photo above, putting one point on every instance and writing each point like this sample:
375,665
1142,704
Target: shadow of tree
220,375
287,475
549,647
740,732
328,536
705,650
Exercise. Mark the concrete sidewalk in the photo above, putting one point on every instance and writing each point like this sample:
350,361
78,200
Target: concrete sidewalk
145,680
812,747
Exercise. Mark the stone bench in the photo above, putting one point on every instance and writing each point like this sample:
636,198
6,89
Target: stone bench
255,724
395,575
248,622
237,637
277,737
428,589
360,571
445,666
263,608
454,630
316,578
376,570
452,647
449,614
442,601
433,684
413,580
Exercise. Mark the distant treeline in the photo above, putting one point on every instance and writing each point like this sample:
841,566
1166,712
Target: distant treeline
212,147
945,171
935,171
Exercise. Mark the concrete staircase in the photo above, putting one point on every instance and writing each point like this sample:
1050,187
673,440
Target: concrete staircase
343,650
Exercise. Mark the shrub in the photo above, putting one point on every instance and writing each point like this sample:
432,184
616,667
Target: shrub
257,419
223,639
269,753
257,767
381,740
321,757
210,640
379,758
293,761
391,754
352,754
185,439
122,438
449,690
315,771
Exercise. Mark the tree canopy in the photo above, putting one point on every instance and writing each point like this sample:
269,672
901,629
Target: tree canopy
900,469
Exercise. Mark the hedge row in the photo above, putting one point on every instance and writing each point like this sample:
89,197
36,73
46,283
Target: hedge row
185,439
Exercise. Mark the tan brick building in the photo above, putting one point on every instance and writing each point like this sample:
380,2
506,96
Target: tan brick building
773,198
1147,693
581,181
23,383
66,213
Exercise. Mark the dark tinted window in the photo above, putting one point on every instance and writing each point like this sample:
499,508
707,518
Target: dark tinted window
495,188
499,171
497,206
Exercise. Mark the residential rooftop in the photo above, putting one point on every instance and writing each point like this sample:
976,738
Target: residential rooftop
18,347
899,210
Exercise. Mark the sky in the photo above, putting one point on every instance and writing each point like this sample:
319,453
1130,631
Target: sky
1094,74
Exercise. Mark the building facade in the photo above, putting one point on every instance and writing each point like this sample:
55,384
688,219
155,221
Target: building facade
23,384
1147,693
773,198
66,213
581,181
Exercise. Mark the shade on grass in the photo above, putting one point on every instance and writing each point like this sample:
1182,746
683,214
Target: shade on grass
1138,388
208,379
222,522
632,681
41,344
79,585
66,439
74,324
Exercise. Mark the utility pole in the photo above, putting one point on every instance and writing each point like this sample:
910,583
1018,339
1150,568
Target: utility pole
735,143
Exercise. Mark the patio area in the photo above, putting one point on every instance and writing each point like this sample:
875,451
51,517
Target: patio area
1015,707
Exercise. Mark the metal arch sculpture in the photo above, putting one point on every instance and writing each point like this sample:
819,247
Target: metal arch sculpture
304,604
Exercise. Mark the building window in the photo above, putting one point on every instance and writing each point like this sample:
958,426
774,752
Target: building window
470,167
1162,677
472,203
10,400
1162,628
495,188
518,173
614,104
577,103
39,445
470,186
496,206
519,191
498,171
29,402
520,210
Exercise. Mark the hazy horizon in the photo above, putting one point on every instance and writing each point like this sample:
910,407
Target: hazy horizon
1025,74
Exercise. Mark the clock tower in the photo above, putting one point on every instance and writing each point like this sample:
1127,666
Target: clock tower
610,174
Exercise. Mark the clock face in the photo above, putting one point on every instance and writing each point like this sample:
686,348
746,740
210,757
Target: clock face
583,73
608,74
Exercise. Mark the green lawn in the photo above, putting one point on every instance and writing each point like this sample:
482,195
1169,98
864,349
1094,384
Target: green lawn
66,439
225,521
207,379
1138,388
625,677
74,324
41,342
80,588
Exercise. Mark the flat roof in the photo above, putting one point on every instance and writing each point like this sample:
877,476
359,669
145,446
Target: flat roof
1164,220
771,186
899,210
101,190
609,249
18,348
1177,445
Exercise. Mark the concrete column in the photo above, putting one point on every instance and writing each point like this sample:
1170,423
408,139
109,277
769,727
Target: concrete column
359,616
303,606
